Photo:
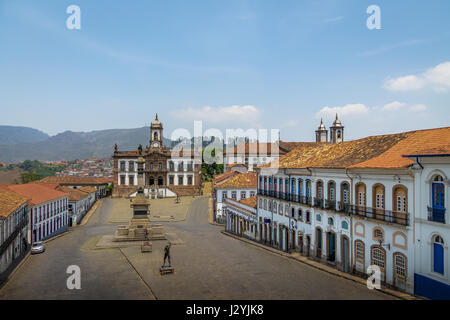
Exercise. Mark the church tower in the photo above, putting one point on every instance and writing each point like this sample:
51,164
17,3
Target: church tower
337,131
321,133
156,134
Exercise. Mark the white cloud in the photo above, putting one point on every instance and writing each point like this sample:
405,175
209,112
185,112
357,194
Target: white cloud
394,106
418,108
246,114
347,110
437,77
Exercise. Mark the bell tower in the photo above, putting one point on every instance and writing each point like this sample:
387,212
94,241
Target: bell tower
156,134
321,133
337,131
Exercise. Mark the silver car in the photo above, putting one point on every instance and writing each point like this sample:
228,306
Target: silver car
37,247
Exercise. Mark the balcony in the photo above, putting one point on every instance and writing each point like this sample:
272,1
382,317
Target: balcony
381,214
319,202
436,214
13,235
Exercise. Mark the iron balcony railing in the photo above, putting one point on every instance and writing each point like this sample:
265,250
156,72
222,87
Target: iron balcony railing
436,214
13,235
381,214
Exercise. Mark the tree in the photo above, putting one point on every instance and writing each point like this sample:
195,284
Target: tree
29,177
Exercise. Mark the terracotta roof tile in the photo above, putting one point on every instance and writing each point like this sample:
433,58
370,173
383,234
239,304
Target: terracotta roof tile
10,201
73,180
36,192
222,177
384,151
74,194
240,180
250,202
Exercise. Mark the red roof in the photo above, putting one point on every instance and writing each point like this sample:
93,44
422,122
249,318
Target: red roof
36,192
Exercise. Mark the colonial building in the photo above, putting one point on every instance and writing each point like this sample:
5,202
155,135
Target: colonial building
234,185
14,222
99,184
166,172
431,172
48,210
360,203
241,217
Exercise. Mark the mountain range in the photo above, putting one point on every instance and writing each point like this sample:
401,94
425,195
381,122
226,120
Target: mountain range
21,143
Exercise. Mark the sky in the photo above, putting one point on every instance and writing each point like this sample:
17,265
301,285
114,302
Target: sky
260,64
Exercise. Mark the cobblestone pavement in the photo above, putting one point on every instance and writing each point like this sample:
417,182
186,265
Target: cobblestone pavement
208,265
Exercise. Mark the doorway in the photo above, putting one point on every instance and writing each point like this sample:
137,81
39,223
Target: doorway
160,181
300,242
331,246
345,254
318,243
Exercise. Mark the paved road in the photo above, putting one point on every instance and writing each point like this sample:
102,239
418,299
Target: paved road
208,265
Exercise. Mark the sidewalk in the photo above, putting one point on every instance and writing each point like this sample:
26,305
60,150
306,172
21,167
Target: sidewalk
90,212
210,213
320,266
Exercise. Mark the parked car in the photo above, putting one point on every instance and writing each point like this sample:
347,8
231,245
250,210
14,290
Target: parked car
38,247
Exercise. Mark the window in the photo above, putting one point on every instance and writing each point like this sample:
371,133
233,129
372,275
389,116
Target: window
171,180
234,195
224,195
280,207
151,166
332,191
378,235
180,166
361,193
270,205
252,193
190,180
308,216
260,202
286,210
318,217
265,204
122,179
319,189
189,166
160,166
331,221
122,165
378,257
131,166
378,191
171,166
359,251
131,180
344,225
180,180
345,193
243,194
400,265
300,214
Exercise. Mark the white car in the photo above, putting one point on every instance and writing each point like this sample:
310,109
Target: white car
37,247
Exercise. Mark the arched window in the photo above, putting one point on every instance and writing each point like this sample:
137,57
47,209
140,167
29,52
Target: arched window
400,204
438,200
318,217
400,266
331,191
359,251
344,225
438,254
300,187
361,197
331,221
378,234
378,196
345,196
275,207
300,214
379,257
280,208
319,190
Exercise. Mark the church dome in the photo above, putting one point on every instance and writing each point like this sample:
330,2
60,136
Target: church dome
322,126
337,122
